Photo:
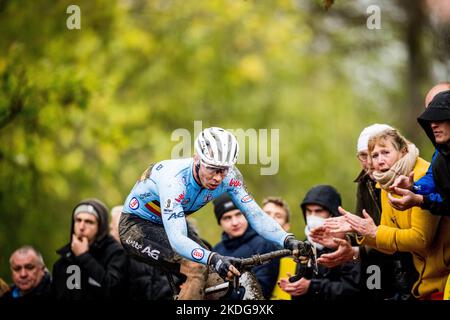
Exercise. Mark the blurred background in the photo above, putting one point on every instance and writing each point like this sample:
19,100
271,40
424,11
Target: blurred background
83,112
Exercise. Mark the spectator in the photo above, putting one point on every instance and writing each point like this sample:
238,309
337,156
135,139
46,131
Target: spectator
425,186
279,210
321,203
413,230
92,265
398,272
367,196
436,123
241,241
29,274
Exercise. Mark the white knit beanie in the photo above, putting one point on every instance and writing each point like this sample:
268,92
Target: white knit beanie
368,132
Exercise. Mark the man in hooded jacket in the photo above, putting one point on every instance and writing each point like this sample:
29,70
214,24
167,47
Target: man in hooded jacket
435,121
326,284
92,265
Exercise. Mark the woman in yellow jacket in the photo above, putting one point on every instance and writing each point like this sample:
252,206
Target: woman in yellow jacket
414,230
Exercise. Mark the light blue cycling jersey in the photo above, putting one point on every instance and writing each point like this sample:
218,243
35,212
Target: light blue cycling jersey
167,191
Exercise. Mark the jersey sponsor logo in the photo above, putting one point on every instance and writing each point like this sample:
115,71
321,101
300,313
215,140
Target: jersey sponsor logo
155,219
207,198
246,198
234,191
198,253
159,167
142,196
180,197
186,201
148,250
235,183
151,253
133,243
176,215
169,204
134,203
168,208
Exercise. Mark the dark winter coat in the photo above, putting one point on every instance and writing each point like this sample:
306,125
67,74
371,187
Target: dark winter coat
397,271
438,110
248,244
100,273
41,292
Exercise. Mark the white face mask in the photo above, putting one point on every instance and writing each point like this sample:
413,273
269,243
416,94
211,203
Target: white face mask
311,223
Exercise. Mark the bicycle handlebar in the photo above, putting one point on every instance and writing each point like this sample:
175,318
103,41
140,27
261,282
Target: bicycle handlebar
258,259
307,266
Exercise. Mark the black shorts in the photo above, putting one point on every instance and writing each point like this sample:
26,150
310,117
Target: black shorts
148,242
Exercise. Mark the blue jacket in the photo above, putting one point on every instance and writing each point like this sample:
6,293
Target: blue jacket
248,244
426,186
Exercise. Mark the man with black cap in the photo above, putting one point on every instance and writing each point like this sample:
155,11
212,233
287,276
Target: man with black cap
241,241
435,121
93,265
425,185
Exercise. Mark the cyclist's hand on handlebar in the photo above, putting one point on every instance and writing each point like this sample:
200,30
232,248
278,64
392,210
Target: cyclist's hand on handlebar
299,248
226,267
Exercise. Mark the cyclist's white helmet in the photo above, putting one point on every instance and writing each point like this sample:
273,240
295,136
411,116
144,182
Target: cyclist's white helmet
217,147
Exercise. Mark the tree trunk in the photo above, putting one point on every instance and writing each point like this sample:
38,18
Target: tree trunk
417,72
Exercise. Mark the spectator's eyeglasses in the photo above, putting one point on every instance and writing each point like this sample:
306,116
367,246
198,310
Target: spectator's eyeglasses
363,156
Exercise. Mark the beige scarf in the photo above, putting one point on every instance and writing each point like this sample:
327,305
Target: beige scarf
404,166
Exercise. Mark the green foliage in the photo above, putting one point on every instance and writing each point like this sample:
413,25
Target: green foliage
83,112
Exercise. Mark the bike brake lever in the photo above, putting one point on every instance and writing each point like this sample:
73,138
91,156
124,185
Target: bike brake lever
308,266
236,284
303,265
314,260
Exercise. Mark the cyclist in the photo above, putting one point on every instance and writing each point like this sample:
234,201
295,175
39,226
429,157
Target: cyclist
153,225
